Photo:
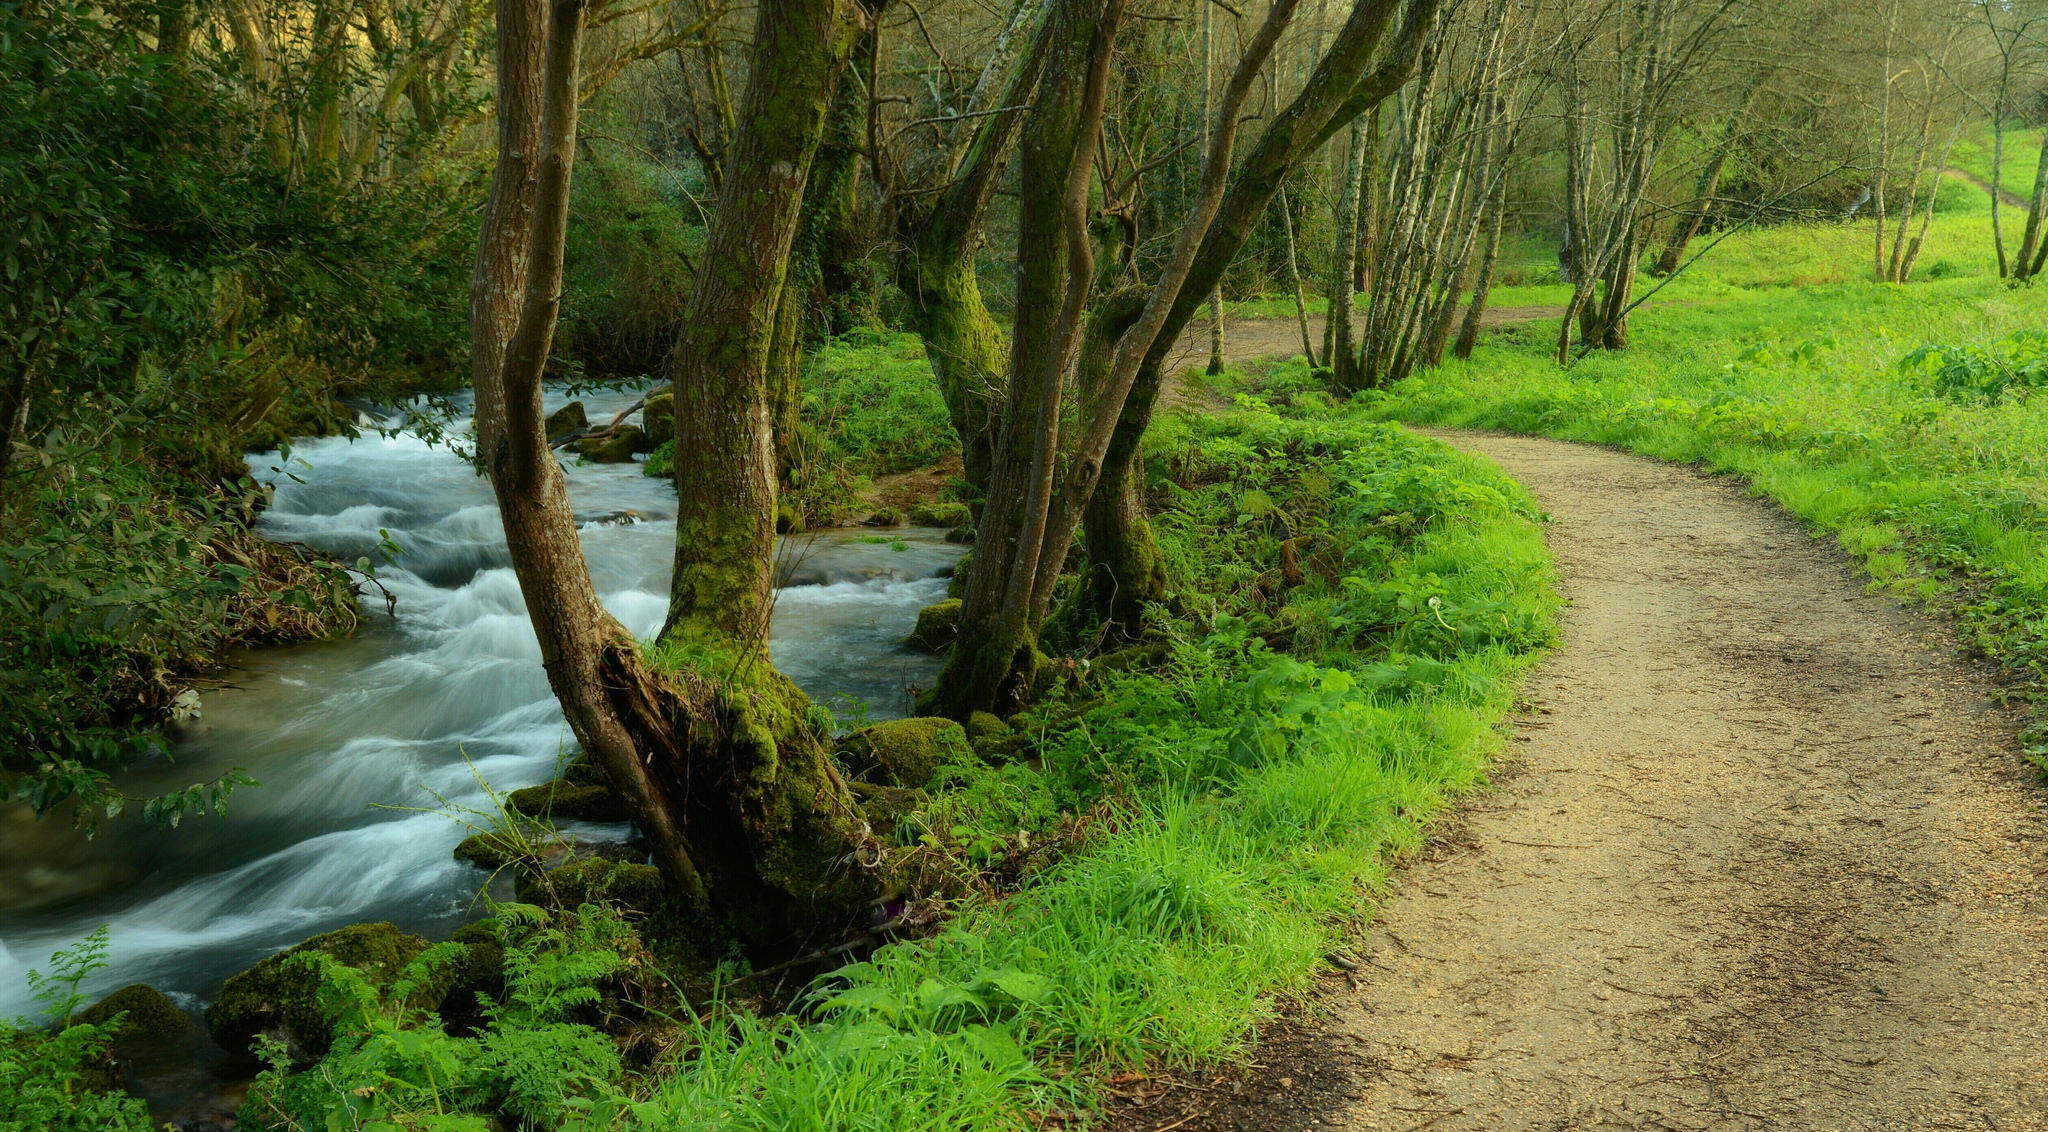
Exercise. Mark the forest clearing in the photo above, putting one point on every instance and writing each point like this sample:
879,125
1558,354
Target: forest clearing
1127,564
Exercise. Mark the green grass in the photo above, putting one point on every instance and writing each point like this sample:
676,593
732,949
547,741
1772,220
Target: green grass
2022,153
1941,492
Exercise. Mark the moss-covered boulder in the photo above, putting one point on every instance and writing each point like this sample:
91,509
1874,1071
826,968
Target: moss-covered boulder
904,752
565,420
984,726
884,517
280,997
942,513
486,851
658,418
145,1011
887,806
596,880
788,520
615,447
562,800
937,625
957,588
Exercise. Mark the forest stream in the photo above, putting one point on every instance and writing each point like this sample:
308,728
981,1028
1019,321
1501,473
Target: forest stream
361,746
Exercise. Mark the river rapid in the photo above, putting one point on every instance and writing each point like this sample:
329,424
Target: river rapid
360,746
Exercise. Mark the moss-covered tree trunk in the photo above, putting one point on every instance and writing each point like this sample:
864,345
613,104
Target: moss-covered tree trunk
937,231
828,288
993,662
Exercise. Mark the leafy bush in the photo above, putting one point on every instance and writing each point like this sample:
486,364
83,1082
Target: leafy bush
58,1080
2017,363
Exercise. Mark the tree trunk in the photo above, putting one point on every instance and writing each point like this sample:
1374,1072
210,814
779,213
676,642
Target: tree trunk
2027,263
1344,86
1695,217
1475,313
1343,348
938,232
992,665
1308,345
1229,207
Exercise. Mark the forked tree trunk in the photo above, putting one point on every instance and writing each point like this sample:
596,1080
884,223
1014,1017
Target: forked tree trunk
747,819
1344,85
1230,207
938,232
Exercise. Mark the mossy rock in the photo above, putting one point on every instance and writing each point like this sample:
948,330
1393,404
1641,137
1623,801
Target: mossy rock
957,588
885,517
583,772
887,806
658,418
562,800
280,997
937,625
905,752
983,726
566,420
485,851
146,1013
788,520
963,535
598,880
942,513
616,448
480,974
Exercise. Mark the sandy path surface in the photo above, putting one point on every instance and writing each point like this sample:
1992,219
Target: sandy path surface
1766,861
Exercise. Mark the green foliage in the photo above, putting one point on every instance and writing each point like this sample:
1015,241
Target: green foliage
53,1080
535,1063
632,229
170,300
2017,362
871,408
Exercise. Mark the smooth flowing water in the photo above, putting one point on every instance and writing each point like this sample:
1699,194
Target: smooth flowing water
357,743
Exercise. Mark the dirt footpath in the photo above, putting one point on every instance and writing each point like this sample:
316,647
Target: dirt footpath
1766,860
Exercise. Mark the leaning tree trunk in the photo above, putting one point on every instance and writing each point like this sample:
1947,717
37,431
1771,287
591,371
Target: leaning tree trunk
1344,85
937,233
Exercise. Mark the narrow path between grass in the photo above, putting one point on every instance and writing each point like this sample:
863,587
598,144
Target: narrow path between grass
1766,860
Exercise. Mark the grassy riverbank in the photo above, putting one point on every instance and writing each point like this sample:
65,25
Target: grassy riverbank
1158,857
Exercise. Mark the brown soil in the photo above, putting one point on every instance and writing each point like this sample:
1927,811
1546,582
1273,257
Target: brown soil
1765,860
1253,339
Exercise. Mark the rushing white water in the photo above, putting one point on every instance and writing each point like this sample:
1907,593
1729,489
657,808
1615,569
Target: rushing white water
357,743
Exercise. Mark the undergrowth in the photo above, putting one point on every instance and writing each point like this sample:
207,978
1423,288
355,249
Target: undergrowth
1352,611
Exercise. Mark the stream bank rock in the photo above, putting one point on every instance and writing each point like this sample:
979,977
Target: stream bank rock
658,417
146,1013
937,625
566,800
905,752
615,447
280,996
565,420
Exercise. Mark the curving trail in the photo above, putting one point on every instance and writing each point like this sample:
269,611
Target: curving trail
1766,860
